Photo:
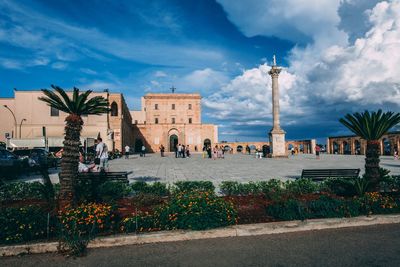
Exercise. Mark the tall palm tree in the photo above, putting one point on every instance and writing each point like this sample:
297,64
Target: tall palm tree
75,107
371,127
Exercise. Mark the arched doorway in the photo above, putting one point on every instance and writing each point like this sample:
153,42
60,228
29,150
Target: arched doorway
346,148
357,147
239,148
207,142
138,145
114,109
335,148
173,141
387,148
227,148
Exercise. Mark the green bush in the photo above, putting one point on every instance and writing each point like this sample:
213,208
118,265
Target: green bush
340,186
142,221
185,186
376,203
324,206
113,190
300,187
272,189
81,224
24,224
22,190
156,188
196,210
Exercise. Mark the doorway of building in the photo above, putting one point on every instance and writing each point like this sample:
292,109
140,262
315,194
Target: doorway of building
173,142
138,145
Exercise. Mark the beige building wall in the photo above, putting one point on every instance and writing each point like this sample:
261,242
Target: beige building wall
37,114
165,117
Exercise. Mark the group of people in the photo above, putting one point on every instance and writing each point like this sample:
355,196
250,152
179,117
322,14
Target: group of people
214,153
100,163
182,151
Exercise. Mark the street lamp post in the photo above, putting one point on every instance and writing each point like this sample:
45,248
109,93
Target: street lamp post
15,119
20,129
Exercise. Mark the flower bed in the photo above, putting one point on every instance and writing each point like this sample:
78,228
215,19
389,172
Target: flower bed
142,207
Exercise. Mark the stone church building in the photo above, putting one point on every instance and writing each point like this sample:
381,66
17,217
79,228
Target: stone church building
170,119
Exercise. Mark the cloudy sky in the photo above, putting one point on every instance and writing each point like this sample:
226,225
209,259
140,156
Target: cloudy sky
338,56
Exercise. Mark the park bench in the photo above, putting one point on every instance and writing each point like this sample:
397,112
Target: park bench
318,175
104,176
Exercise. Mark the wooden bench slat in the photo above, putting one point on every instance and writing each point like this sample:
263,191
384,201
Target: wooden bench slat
322,174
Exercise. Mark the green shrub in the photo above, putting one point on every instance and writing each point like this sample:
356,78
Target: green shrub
24,224
22,190
81,224
230,188
185,186
113,190
291,209
300,187
324,206
196,210
142,221
340,186
156,188
376,203
272,189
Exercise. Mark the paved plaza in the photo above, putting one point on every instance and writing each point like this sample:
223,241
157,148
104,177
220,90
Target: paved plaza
237,167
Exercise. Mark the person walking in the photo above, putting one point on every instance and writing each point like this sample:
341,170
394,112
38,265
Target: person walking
317,151
101,155
143,151
179,150
127,149
209,152
187,151
162,149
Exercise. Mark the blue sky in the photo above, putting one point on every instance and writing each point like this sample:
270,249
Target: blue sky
221,49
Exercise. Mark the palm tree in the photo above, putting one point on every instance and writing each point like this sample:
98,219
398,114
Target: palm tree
75,107
371,127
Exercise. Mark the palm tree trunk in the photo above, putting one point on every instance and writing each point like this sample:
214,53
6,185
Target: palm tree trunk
372,163
70,160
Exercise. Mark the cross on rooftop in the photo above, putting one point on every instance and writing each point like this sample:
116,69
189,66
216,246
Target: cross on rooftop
173,89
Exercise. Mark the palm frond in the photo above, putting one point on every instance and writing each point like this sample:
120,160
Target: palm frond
370,126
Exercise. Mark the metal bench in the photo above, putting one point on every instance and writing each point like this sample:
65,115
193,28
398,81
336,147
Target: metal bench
104,176
318,175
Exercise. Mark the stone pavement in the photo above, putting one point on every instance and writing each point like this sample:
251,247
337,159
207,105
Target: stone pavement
237,167
243,168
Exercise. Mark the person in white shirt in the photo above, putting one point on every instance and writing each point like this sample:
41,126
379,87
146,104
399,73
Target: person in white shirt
102,154
127,148
143,151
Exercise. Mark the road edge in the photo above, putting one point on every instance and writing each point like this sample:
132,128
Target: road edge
231,231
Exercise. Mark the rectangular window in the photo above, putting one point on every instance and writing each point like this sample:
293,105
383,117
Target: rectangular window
135,121
173,120
173,106
190,106
54,112
156,120
155,106
190,120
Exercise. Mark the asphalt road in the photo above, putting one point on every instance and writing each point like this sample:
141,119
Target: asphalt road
361,246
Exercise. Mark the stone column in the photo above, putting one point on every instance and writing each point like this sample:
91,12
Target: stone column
276,135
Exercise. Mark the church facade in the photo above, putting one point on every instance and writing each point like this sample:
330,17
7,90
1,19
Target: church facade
171,119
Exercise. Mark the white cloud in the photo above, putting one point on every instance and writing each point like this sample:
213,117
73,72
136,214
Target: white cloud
203,80
30,29
160,74
88,71
324,79
59,65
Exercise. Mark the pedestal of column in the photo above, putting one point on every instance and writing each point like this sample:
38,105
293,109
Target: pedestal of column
278,144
